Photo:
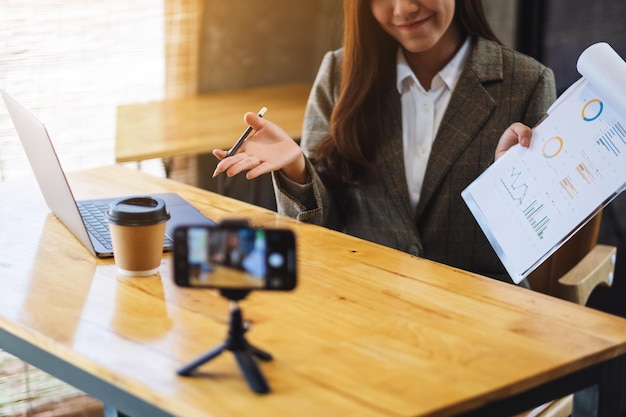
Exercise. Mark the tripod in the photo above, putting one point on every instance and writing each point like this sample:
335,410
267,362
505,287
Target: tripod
236,342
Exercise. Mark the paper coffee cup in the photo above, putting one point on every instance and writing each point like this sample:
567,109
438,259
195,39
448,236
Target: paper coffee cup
137,226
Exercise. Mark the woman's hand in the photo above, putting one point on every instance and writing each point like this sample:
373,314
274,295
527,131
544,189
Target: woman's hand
268,149
514,134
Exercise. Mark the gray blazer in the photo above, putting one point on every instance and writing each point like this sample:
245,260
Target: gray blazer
498,87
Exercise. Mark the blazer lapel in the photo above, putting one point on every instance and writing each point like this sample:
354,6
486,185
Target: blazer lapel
391,155
470,106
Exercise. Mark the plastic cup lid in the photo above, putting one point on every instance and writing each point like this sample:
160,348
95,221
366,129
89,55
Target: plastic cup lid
137,211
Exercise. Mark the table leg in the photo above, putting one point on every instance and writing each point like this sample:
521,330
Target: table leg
610,389
112,412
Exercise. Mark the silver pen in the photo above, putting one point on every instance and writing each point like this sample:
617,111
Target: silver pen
241,139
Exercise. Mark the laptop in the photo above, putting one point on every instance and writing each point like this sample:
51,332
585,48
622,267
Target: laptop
84,218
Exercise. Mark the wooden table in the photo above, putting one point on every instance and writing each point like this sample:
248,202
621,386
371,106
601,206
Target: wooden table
369,331
198,124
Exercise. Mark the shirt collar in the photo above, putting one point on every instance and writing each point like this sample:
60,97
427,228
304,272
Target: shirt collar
450,74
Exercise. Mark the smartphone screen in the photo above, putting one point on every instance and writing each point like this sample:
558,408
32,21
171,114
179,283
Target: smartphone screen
242,258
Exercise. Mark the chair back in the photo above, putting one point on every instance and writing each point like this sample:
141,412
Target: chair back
572,273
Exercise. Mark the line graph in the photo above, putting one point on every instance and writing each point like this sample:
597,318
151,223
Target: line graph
515,186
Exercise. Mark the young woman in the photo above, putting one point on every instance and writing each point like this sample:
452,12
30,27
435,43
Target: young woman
399,121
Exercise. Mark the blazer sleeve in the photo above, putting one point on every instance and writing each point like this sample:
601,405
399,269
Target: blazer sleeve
290,200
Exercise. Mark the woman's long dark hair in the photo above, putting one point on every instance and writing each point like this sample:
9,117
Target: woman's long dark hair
368,70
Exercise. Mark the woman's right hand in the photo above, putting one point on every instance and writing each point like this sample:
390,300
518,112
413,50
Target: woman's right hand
268,149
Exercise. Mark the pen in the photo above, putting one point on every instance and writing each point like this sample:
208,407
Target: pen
241,139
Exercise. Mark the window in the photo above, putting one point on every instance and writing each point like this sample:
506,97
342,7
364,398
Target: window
73,62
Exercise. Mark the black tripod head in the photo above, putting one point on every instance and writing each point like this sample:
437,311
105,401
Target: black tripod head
234,295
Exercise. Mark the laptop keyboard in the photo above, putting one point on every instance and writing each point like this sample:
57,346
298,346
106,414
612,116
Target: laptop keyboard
93,216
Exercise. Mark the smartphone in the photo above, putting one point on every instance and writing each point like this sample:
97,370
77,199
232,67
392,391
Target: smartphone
234,258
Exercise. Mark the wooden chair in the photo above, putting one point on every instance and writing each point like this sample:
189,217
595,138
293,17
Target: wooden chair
572,273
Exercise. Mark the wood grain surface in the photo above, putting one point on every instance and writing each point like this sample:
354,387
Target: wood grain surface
369,331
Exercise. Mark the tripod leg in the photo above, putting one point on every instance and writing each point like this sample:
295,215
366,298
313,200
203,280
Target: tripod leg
188,369
261,354
251,372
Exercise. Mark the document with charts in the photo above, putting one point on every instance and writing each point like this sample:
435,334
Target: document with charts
531,200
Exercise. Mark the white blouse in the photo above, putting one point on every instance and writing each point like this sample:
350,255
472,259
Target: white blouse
422,112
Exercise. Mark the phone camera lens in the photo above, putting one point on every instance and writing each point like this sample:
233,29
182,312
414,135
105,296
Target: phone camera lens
275,260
